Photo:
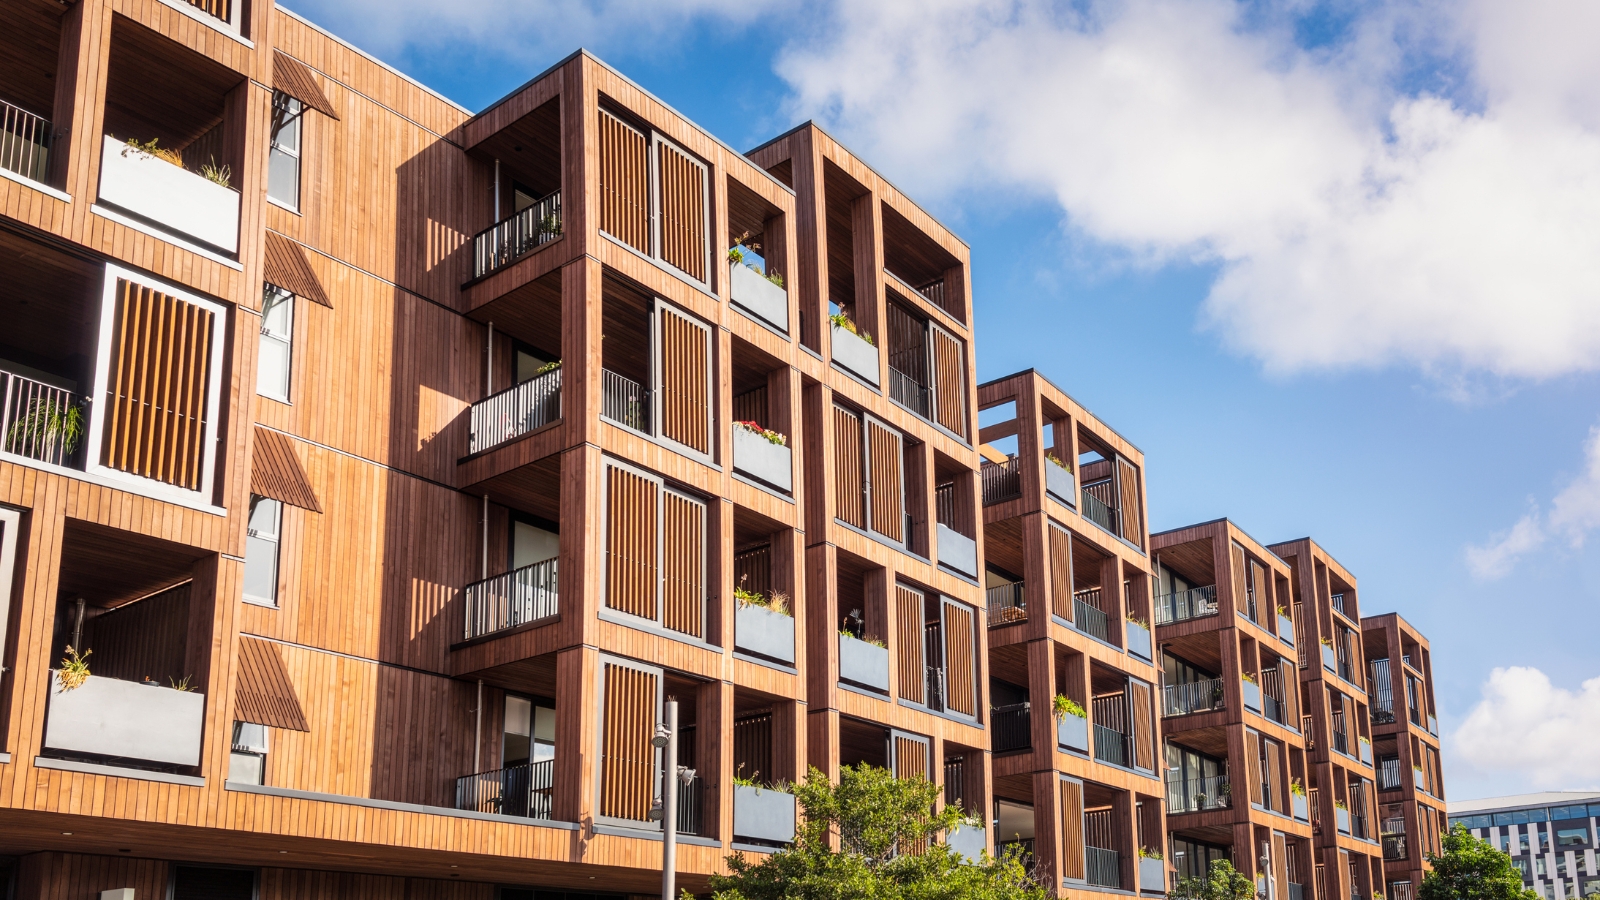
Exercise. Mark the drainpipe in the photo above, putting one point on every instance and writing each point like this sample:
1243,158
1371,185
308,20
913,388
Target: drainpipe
483,568
488,364
477,742
497,190
77,628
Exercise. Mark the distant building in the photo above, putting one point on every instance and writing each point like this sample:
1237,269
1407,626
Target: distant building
1551,837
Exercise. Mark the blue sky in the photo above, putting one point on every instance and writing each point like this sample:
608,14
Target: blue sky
1329,264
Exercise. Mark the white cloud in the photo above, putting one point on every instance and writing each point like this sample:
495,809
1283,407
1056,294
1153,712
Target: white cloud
1573,513
1525,728
1354,225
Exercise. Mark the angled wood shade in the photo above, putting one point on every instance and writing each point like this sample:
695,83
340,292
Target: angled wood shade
263,694
286,267
293,78
275,471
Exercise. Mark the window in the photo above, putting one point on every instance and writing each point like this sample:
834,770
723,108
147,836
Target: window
277,343
197,883
530,732
261,551
1571,837
247,762
283,165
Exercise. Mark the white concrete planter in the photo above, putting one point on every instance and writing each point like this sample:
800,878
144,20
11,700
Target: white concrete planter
1286,630
1073,732
864,664
766,633
1342,818
760,296
1366,751
855,354
761,459
1302,810
170,196
1058,482
1330,660
1252,695
111,717
969,842
957,551
763,814
1152,874
1138,640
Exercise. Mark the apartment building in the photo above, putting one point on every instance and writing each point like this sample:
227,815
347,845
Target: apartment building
1552,837
1073,679
1405,747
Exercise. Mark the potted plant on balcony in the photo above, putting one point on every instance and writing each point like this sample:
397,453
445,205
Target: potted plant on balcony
1365,746
151,182
758,292
1341,816
48,429
1152,870
1285,626
967,838
763,454
853,348
863,661
1138,631
1058,479
764,624
1297,796
1330,660
762,813
112,717
1072,724
1252,692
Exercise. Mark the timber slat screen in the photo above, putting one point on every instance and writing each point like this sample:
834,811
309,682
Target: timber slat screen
908,627
949,382
849,488
1061,572
683,211
1128,502
627,762
1072,863
631,568
624,183
683,573
960,644
1143,742
883,481
685,381
222,9
157,387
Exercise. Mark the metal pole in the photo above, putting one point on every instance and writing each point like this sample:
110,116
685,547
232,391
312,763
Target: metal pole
488,364
477,743
497,191
669,805
483,566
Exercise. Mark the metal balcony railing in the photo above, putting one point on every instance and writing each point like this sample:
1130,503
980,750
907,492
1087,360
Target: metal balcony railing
525,791
1104,867
1389,773
1382,709
1023,848
1338,602
1296,891
936,687
1001,481
24,142
1012,727
1274,709
1193,697
531,227
1193,603
1305,729
691,806
40,421
1186,795
1110,746
1007,605
908,392
515,411
1097,506
515,598
1089,619
1401,890
624,401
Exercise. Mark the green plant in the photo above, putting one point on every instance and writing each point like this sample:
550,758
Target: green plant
1283,611
550,224
1471,869
149,148
777,601
742,780
1142,623
1296,788
548,367
1340,804
1066,706
1052,458
216,174
74,669
1249,677
1221,882
775,277
1149,853
48,421
843,321
1327,642
180,684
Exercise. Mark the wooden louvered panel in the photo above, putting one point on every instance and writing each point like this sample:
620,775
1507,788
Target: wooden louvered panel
627,763
1258,583
263,694
685,380
624,183
1269,749
1072,863
1280,863
908,635
1143,740
631,569
960,651
1241,602
949,382
884,481
683,540
1252,758
157,389
683,211
848,487
1061,572
910,757
1132,527
222,9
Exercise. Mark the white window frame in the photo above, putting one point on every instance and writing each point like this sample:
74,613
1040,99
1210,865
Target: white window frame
10,525
102,373
273,296
247,741
299,118
277,552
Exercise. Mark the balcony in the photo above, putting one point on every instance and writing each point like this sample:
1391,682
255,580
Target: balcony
753,291
40,421
1099,505
765,460
516,411
24,143
1088,617
1007,605
908,392
109,717
1023,848
1104,867
1193,697
1012,727
763,814
691,806
525,230
1338,603
1389,773
1187,795
624,401
526,791
169,196
1194,603
1111,746
521,596
1001,481
1382,709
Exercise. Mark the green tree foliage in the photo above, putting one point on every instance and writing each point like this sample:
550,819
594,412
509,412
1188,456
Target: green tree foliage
1471,869
886,830
1222,882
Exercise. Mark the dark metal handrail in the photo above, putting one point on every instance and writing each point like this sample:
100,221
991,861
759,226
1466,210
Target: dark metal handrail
1001,481
1098,509
1198,794
1192,697
1104,867
1090,620
624,401
526,791
1193,603
1006,603
1012,727
691,806
908,392
515,598
531,227
515,411
1110,746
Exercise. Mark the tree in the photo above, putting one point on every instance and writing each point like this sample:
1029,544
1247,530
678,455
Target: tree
885,828
1471,869
1222,882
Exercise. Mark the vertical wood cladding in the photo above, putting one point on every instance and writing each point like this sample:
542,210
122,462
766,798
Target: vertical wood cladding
960,646
949,381
885,458
627,760
624,183
1143,736
908,627
1072,861
1060,571
1132,526
144,639
156,390
683,211
683,535
1272,750
1252,758
631,565
848,487
752,748
685,380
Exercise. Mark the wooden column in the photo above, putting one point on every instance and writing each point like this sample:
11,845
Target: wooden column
713,762
577,729
79,114
789,739
1041,693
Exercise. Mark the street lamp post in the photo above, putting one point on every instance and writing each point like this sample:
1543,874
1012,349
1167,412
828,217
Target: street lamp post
666,806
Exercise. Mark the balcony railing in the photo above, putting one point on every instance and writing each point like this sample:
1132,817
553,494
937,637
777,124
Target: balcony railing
1338,603
1105,867
936,687
24,142
1097,506
1382,706
1023,848
525,791
1316,812
1089,619
1193,603
1401,890
516,598
1389,773
624,401
1193,697
1007,604
1305,729
691,806
515,411
530,228
1001,481
39,421
1185,795
1296,891
908,392
1274,709
1012,726
1110,746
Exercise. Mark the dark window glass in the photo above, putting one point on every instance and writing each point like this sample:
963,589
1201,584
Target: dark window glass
1571,837
196,883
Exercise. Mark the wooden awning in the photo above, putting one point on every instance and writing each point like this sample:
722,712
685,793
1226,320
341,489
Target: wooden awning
275,471
263,694
293,78
286,267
